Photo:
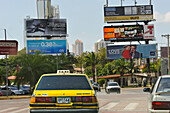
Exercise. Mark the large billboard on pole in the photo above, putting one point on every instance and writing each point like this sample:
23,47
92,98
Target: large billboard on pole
131,51
129,33
46,46
46,28
128,13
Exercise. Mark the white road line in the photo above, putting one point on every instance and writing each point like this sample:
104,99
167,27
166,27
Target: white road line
131,106
109,106
19,110
4,110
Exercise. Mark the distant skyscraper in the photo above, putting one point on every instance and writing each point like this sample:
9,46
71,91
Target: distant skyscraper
44,9
77,48
55,11
99,44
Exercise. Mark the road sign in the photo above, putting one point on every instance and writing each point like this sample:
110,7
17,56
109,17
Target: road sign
149,32
8,47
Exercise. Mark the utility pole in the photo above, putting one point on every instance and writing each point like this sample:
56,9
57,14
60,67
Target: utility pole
6,68
167,36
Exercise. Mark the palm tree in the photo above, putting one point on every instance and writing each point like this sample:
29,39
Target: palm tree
121,67
32,67
91,60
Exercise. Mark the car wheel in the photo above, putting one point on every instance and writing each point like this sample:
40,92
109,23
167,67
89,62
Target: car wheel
12,94
108,92
118,91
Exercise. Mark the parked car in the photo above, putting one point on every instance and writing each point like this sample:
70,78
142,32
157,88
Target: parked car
16,90
4,91
159,101
72,93
95,85
26,89
1,93
112,87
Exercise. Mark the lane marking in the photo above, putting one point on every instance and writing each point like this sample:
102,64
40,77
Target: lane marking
109,105
3,111
20,110
131,106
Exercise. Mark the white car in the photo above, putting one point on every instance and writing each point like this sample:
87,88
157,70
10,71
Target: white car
160,95
17,91
112,87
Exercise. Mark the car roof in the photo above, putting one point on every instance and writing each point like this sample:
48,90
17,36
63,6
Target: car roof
165,76
52,74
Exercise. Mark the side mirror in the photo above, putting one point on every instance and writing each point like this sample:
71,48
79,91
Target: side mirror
146,90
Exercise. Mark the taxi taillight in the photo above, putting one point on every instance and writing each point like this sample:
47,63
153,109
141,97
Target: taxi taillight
45,100
84,99
160,105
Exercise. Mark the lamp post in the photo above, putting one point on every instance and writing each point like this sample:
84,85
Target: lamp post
167,36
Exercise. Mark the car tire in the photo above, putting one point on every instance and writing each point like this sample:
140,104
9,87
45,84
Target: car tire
12,94
118,92
108,92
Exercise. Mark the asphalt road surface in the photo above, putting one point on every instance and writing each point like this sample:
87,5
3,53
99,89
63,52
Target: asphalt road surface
129,101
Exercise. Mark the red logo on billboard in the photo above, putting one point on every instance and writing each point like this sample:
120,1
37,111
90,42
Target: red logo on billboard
8,47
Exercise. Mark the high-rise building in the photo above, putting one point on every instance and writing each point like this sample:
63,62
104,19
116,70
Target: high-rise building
55,11
77,48
44,9
99,44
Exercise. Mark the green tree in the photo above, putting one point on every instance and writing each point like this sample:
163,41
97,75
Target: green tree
91,60
122,67
32,67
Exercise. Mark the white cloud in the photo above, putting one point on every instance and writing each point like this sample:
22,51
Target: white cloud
162,18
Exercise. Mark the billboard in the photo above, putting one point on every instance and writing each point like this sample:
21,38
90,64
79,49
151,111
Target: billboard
149,32
46,28
128,33
46,46
128,13
131,51
8,47
164,52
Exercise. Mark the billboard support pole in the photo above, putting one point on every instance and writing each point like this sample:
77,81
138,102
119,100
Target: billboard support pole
150,2
6,68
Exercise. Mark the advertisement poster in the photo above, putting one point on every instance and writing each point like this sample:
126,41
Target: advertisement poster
128,13
46,46
46,27
131,51
123,33
8,47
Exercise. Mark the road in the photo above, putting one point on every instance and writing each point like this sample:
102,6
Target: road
129,101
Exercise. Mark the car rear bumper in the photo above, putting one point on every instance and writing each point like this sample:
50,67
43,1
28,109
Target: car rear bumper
159,111
63,110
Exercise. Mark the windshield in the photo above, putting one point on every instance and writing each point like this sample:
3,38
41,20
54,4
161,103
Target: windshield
64,82
113,84
164,85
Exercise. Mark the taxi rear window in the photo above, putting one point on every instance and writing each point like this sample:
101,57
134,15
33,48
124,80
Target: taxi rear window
64,82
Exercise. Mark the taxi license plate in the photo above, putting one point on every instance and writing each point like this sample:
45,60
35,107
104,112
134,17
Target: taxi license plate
63,100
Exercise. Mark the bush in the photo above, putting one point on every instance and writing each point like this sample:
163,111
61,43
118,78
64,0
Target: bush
101,82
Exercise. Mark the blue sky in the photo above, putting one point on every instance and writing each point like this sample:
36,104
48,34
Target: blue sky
85,19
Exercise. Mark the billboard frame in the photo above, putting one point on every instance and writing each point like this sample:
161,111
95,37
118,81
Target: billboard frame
46,28
122,39
48,40
121,14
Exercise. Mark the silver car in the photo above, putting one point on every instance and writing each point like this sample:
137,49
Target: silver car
160,95
5,92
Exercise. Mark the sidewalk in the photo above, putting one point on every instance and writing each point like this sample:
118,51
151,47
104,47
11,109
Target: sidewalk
14,97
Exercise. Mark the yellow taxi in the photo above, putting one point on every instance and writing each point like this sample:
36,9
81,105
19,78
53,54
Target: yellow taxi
64,93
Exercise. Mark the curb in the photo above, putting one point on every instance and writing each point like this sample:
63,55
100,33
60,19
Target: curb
15,97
